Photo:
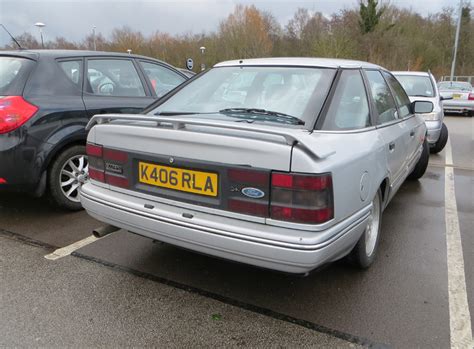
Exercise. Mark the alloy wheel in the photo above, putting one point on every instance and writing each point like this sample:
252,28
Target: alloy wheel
74,173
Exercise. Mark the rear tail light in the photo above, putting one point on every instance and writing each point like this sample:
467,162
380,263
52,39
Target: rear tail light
253,177
102,158
3,180
94,150
471,96
249,192
291,197
249,207
14,112
301,198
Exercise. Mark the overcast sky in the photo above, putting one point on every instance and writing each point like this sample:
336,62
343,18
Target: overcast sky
75,19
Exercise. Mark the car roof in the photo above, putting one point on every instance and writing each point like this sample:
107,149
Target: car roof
71,53
298,61
456,82
36,54
414,73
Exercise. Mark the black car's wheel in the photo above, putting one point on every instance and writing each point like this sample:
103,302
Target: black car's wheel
422,163
442,140
364,252
66,175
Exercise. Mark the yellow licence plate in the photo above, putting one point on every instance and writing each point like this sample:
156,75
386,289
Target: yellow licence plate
456,96
197,182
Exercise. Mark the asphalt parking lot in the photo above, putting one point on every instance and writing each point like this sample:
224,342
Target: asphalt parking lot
127,290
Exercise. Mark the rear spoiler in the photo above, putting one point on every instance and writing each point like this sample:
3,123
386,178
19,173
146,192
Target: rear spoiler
178,124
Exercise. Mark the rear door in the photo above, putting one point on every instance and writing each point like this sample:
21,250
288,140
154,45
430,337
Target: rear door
161,79
389,126
114,85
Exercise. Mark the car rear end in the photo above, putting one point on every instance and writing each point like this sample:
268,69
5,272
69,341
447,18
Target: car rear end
219,188
460,97
15,113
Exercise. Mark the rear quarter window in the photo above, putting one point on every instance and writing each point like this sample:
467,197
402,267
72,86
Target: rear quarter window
52,79
14,72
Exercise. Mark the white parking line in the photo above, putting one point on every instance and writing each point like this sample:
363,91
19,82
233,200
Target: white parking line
459,315
66,251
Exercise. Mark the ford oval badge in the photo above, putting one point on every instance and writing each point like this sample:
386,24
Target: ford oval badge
253,193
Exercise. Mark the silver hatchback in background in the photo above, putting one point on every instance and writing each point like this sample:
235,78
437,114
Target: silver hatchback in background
460,95
281,163
422,86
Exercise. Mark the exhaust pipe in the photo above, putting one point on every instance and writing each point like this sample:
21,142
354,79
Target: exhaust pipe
103,231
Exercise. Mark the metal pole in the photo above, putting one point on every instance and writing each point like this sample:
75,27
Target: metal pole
203,65
93,36
42,41
40,27
453,65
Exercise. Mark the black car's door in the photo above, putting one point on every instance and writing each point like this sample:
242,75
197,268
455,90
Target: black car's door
161,79
114,85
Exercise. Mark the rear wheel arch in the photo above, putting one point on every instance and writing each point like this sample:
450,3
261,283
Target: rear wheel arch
58,149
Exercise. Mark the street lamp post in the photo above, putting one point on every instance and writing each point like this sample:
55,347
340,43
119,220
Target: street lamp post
203,66
40,26
456,40
93,37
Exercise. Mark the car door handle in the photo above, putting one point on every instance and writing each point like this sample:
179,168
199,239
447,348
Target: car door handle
412,133
391,146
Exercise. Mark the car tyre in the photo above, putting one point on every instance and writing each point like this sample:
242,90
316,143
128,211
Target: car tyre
66,175
365,251
442,140
422,164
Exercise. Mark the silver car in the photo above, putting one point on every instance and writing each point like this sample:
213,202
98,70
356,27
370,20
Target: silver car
422,86
459,95
281,163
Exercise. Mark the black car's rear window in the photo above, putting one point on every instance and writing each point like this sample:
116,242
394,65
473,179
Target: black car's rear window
14,72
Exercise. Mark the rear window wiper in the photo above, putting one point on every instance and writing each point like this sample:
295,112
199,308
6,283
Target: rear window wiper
266,114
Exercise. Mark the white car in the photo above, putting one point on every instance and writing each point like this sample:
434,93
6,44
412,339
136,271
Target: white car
422,86
459,95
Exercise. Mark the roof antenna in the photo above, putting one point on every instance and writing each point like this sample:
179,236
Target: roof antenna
13,38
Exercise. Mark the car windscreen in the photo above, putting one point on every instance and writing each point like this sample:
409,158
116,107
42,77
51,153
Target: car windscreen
298,92
417,86
455,86
14,72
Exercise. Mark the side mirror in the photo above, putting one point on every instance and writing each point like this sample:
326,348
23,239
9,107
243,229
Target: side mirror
422,107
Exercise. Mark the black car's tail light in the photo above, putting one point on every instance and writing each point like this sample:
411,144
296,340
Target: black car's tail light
301,198
101,159
14,112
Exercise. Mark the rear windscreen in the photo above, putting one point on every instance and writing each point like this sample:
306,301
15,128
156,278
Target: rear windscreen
14,72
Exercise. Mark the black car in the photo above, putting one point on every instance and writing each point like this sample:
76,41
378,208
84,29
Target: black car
47,98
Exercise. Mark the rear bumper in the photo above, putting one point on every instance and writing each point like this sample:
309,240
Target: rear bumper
227,238
455,106
17,164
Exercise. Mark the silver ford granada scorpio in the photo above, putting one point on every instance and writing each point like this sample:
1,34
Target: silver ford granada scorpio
281,163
